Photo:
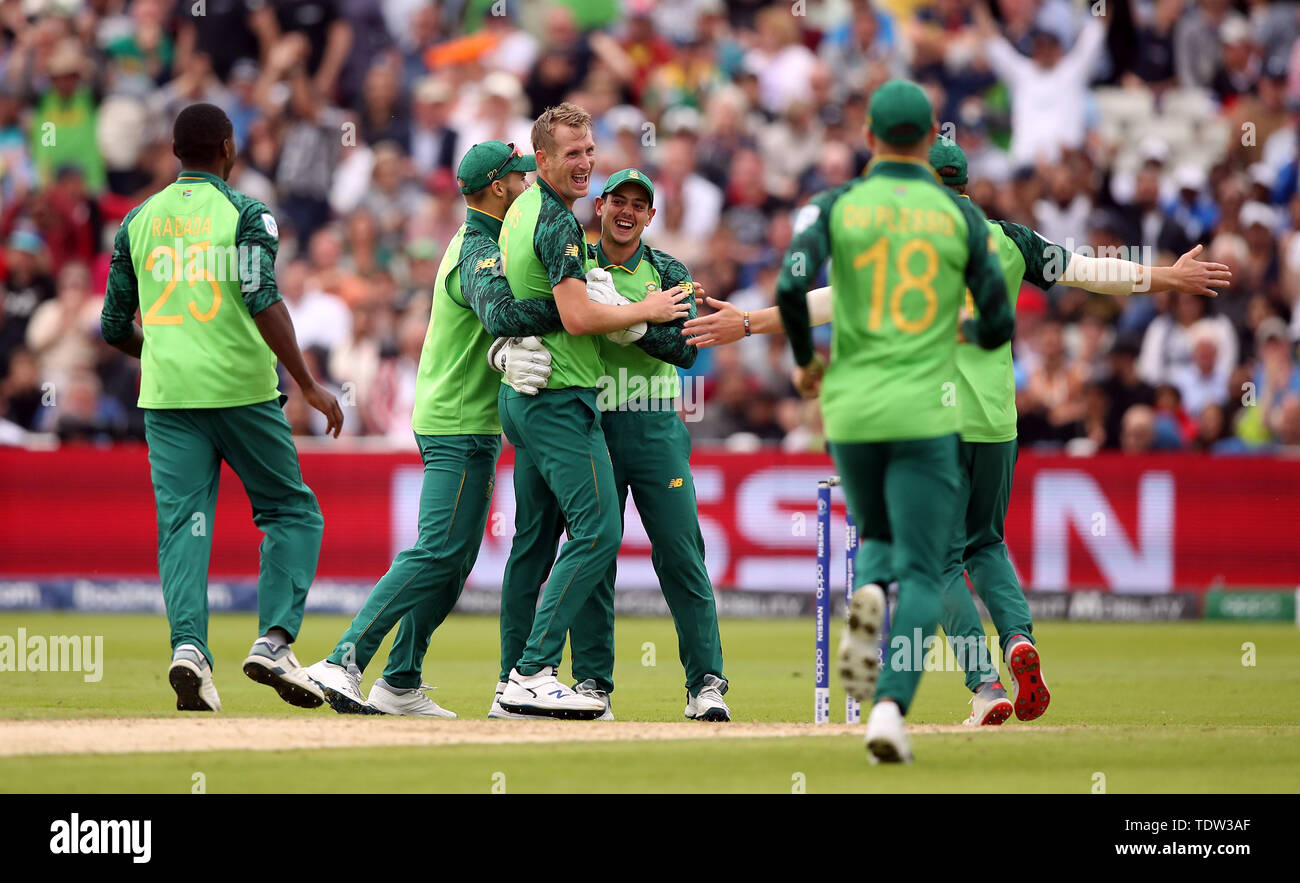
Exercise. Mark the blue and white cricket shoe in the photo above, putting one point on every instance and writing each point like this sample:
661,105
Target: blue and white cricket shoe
708,704
341,686
496,712
543,694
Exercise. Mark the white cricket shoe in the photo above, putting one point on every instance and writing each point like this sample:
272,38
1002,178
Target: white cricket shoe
341,686
708,705
990,706
279,669
543,694
411,702
191,678
496,712
589,688
886,740
860,643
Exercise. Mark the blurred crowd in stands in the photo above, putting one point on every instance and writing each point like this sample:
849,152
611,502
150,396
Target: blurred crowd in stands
1171,123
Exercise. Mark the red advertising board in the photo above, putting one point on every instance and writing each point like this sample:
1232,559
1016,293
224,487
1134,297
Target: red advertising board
1138,524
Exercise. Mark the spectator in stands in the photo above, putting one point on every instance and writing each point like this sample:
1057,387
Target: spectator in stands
69,100
1167,345
1047,89
1276,380
1119,392
1154,59
1138,432
26,285
1198,45
1204,381
61,328
1051,406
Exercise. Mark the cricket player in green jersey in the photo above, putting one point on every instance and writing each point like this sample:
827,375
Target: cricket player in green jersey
987,447
459,435
562,463
197,259
650,451
904,250
986,393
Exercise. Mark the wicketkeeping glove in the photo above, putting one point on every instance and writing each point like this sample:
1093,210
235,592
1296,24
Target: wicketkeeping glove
524,361
600,288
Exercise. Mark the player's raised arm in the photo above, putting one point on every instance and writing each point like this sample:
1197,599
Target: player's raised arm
996,322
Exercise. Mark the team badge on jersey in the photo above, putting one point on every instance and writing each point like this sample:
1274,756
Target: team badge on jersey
269,223
186,193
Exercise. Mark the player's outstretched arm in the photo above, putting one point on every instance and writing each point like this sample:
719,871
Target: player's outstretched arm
727,323
1116,276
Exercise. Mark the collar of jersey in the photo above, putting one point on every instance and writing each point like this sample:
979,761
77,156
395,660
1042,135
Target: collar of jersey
198,176
483,222
607,264
547,188
893,166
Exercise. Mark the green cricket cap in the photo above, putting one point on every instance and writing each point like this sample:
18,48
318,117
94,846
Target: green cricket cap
900,113
636,176
490,161
945,153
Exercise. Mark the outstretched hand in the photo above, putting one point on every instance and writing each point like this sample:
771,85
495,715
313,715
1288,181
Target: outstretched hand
1191,276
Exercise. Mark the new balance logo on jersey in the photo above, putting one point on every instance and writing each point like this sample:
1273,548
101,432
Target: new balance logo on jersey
571,251
675,482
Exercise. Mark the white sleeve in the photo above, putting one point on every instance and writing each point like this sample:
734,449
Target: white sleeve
1102,275
1083,54
819,306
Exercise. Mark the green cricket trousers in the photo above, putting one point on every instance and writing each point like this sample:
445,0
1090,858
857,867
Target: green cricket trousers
186,449
984,474
651,452
563,478
902,495
424,582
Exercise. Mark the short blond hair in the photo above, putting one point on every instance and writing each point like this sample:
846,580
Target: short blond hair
565,114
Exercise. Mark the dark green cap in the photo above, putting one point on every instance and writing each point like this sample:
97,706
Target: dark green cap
945,153
900,113
488,162
622,176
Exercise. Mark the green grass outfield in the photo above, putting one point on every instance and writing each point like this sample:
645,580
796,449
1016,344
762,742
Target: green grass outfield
1166,707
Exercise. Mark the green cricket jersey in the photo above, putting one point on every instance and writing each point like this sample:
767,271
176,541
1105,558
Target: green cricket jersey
198,260
542,243
986,381
648,368
903,250
455,388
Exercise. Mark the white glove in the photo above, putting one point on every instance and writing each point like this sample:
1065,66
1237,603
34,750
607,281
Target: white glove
600,288
525,361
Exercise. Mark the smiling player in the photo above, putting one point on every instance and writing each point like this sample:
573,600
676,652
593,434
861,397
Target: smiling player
650,449
561,462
